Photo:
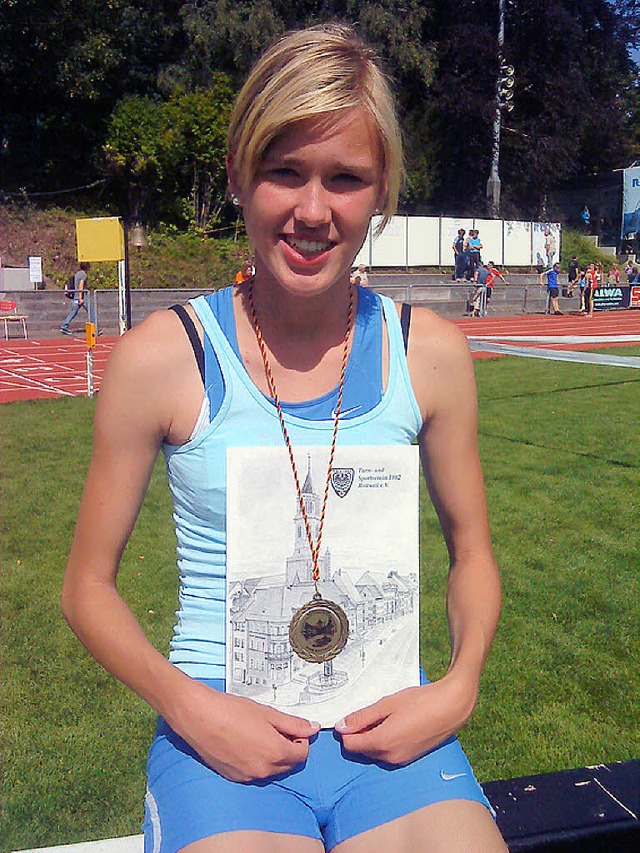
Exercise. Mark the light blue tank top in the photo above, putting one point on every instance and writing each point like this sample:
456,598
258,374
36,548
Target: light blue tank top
362,381
197,480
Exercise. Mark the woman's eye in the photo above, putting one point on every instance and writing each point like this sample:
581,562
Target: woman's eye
282,173
348,179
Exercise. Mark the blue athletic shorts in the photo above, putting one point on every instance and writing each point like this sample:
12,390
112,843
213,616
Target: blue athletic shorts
332,797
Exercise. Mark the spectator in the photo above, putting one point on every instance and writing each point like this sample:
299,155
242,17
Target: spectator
614,275
553,290
479,297
585,216
592,284
245,273
582,283
572,275
493,274
361,275
550,245
474,246
459,256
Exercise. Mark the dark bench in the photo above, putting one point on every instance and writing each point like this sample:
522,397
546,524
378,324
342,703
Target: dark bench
590,810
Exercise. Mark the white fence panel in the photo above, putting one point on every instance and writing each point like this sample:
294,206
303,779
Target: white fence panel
491,238
426,241
389,249
517,244
423,244
364,255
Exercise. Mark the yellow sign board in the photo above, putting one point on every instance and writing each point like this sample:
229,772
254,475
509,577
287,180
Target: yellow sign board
100,239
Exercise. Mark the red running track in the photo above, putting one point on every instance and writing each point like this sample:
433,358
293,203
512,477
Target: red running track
53,367
57,367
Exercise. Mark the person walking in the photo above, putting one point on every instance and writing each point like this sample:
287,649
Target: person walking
295,357
81,298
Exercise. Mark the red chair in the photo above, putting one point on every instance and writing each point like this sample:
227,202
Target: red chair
9,314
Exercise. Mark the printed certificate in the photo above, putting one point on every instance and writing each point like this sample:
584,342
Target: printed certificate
368,563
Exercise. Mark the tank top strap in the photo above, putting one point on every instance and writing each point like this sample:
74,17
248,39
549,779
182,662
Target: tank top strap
398,366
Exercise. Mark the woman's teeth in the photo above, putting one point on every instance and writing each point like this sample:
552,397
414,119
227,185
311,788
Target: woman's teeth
311,247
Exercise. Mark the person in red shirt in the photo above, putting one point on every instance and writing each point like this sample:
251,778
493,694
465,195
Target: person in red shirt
493,274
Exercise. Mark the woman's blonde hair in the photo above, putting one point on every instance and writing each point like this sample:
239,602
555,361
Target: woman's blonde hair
307,74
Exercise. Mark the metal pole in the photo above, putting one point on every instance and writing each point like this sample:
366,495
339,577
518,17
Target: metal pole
89,373
127,280
494,184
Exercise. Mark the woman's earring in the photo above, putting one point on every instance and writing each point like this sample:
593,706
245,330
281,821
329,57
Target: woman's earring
235,200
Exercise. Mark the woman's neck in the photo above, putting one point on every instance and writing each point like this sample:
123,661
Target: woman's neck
304,336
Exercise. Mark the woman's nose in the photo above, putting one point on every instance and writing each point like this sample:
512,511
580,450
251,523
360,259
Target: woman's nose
312,205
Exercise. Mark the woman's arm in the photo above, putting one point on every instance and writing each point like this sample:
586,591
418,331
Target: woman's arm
399,728
147,393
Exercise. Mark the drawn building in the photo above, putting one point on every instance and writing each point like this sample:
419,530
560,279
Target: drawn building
261,608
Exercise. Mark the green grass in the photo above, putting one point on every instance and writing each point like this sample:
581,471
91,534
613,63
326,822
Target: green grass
559,449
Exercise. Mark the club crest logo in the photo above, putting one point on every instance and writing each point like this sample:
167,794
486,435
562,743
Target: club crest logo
342,480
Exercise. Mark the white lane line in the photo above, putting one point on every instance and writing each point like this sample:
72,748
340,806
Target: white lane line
557,355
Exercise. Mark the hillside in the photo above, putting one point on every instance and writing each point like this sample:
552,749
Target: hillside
171,259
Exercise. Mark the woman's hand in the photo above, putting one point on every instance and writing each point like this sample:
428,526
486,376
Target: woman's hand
400,728
239,738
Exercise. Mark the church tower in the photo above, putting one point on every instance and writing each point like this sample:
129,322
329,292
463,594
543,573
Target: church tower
300,564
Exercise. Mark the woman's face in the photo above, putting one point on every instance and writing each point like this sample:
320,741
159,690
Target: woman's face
308,209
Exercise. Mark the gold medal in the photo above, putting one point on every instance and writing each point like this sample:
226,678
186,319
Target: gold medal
319,630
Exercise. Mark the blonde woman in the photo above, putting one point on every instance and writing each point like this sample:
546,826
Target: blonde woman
314,152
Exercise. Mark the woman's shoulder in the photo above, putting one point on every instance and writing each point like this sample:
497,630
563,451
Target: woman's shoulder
153,355
434,337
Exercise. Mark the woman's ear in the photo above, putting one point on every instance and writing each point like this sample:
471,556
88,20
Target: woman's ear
381,200
233,184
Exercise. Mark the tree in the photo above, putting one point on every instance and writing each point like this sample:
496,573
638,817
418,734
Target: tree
133,154
64,65
168,158
199,122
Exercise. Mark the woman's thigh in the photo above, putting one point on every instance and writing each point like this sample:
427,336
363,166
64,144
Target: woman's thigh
452,826
255,842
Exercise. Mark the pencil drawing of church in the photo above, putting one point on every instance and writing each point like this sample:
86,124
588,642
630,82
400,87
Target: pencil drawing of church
260,610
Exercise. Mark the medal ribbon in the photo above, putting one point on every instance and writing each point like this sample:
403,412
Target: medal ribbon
315,548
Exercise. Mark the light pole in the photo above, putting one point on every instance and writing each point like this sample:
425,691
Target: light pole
503,100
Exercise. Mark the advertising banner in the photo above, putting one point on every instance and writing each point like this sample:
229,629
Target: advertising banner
634,296
608,298
631,203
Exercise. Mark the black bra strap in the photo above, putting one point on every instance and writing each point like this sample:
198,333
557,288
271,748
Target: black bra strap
191,331
405,322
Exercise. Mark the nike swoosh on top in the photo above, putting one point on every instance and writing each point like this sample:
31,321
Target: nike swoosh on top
447,777
345,411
